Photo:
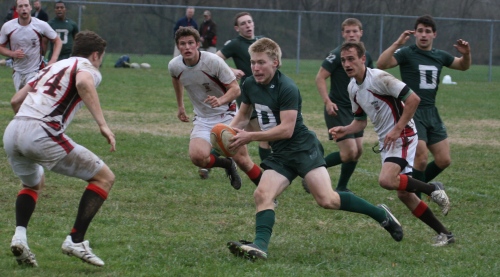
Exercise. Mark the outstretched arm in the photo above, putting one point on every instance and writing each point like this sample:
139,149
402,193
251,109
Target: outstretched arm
179,90
386,59
464,62
321,76
86,89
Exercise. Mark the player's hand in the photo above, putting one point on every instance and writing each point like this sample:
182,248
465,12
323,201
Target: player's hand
213,101
18,54
391,138
106,132
331,108
239,74
337,132
462,46
403,38
182,116
241,138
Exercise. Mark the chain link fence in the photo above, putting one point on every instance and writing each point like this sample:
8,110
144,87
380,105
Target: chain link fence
148,29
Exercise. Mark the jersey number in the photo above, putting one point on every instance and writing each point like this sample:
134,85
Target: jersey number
428,76
267,120
52,84
63,34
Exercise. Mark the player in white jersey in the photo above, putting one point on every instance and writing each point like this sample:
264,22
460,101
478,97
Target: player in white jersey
212,88
35,140
380,96
24,36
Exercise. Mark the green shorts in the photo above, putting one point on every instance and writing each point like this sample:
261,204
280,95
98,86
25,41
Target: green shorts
430,127
297,161
344,117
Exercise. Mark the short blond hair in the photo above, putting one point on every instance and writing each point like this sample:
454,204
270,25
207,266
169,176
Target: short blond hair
267,46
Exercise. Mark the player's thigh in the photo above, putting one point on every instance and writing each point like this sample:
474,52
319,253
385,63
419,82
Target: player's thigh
349,150
80,163
253,125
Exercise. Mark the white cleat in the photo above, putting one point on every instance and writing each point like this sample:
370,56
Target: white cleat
439,197
81,250
22,252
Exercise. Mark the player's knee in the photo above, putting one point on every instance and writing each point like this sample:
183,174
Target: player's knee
443,162
386,182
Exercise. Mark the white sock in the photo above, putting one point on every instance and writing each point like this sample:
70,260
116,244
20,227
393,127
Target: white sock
21,233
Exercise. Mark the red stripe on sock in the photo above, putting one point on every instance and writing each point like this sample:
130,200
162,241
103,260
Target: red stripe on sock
73,230
212,161
102,193
420,209
29,192
254,172
403,182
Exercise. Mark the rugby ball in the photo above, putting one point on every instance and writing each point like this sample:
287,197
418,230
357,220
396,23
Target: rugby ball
219,137
145,65
135,65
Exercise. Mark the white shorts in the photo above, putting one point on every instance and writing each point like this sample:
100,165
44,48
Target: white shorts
20,80
404,150
29,149
203,125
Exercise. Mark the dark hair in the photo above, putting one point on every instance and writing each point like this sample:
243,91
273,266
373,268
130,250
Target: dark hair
185,32
427,21
87,42
359,46
59,2
238,15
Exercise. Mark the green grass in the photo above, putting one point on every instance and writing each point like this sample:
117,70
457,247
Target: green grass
162,220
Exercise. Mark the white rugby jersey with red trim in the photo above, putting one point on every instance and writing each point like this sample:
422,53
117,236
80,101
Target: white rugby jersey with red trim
55,99
380,97
29,39
208,77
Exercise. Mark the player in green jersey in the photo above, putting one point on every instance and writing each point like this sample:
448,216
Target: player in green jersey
237,49
416,61
338,106
296,151
65,28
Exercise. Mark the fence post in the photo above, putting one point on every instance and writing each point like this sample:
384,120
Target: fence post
491,51
299,28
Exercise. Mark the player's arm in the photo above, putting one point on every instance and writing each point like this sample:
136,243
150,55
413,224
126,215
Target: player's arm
233,91
56,50
282,131
242,118
464,62
18,54
411,101
357,125
386,59
238,73
321,76
179,96
18,98
87,91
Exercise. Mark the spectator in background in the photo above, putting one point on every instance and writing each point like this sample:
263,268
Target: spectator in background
208,33
65,28
39,12
185,21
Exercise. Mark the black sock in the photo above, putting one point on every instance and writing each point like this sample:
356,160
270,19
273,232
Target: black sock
90,203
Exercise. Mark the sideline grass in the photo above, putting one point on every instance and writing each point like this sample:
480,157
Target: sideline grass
162,220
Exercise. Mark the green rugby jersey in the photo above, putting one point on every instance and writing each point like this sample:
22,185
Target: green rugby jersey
421,71
268,100
66,30
237,49
339,79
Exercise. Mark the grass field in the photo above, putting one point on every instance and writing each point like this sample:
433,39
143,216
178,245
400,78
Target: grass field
162,220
